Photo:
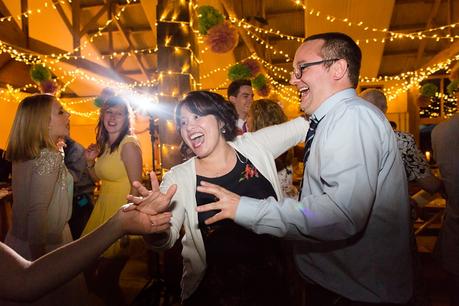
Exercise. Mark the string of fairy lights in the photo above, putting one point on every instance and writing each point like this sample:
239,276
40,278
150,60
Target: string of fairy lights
51,60
424,34
405,81
30,12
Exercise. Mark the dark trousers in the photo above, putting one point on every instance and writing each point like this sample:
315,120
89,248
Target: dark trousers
319,296
81,211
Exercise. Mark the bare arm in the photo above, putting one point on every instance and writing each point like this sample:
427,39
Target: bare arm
22,280
132,159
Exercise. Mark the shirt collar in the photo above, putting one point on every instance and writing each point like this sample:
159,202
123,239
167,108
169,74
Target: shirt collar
332,101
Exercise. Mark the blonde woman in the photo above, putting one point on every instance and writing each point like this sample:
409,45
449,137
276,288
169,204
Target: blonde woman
42,188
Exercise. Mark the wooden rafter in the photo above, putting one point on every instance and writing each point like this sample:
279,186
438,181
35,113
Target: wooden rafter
126,38
444,54
248,42
423,42
76,24
11,35
91,4
25,21
6,63
110,38
117,66
4,10
61,13
10,30
112,28
93,22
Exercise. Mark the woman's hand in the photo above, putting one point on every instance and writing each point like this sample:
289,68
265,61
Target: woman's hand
227,202
132,221
152,201
91,153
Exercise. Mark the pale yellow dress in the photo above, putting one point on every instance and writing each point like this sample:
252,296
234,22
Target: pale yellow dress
42,206
115,186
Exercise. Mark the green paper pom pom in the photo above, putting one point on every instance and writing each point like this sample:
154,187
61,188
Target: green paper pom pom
208,17
98,102
239,71
429,90
259,82
40,73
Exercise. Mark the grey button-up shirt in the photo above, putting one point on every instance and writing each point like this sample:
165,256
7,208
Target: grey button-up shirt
351,227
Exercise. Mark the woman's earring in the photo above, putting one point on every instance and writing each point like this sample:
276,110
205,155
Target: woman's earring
223,130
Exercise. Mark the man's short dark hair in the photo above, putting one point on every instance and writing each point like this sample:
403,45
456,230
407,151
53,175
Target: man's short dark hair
233,88
340,45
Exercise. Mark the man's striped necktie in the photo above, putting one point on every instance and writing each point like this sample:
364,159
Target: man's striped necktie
313,123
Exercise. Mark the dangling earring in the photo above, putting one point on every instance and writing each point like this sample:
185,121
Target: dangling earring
223,130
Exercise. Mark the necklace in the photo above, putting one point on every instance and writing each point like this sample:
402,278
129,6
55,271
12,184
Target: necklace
238,157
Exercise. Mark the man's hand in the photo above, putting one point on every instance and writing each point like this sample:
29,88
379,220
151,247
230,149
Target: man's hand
152,201
227,202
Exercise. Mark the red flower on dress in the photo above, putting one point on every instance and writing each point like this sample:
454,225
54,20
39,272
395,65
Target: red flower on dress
249,172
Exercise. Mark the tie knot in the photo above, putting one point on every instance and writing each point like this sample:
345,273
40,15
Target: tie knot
313,122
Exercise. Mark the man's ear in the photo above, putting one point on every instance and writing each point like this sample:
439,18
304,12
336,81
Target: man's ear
339,69
232,99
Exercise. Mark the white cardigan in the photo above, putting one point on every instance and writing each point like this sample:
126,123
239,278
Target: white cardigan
261,148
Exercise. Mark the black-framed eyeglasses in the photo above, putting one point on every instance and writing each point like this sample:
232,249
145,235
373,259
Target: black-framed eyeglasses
299,72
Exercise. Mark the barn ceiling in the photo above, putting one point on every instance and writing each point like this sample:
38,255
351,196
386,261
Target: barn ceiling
124,50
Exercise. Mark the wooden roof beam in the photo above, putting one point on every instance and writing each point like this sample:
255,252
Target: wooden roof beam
228,5
96,3
444,54
12,36
137,57
118,65
61,13
93,22
423,42
128,29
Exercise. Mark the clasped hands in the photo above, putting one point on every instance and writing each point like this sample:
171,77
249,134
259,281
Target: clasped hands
153,202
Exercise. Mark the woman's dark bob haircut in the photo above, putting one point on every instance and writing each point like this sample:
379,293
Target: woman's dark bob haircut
205,103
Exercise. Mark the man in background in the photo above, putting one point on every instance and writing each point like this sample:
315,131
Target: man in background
445,145
416,166
83,191
418,173
240,93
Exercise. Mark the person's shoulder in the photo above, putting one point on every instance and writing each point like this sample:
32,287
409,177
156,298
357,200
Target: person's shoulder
404,135
48,161
356,107
129,138
49,153
182,170
451,124
185,166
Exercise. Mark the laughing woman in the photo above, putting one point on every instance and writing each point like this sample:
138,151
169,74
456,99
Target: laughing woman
116,160
225,264
42,188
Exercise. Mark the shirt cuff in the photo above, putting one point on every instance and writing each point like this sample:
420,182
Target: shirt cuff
247,211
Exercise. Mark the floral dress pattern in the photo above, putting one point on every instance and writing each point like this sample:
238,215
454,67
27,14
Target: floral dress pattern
416,166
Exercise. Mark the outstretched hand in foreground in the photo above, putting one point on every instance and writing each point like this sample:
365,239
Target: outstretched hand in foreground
151,202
